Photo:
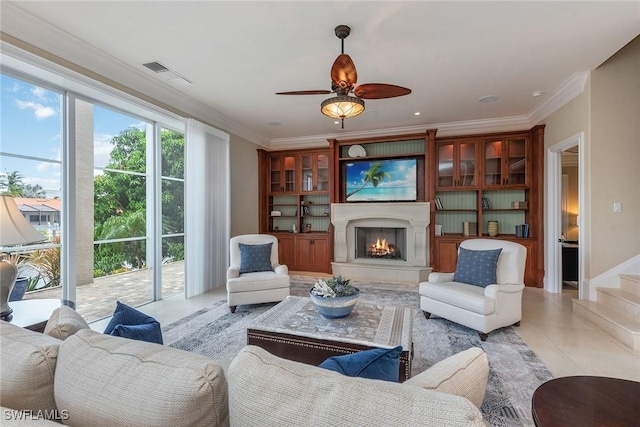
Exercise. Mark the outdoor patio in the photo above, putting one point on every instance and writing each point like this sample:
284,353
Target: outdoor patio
98,299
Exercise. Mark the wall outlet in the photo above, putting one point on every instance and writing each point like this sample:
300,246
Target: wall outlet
617,207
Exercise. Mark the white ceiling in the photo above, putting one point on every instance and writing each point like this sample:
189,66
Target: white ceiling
238,54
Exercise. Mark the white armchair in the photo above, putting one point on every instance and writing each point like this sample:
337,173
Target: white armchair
481,308
254,285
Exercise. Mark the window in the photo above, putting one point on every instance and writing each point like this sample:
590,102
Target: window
30,171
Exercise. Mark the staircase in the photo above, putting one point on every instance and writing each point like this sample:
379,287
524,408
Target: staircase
616,311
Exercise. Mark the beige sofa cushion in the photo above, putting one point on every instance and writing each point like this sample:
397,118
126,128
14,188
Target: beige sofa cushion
27,368
104,380
13,418
64,322
265,390
463,374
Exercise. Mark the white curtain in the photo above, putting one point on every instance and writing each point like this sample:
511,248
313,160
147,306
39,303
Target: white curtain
207,208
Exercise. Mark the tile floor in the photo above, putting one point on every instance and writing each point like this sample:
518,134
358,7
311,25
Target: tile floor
567,344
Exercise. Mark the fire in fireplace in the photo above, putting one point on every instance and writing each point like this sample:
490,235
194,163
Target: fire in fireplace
380,243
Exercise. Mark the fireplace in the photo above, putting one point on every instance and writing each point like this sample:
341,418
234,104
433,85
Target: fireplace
381,243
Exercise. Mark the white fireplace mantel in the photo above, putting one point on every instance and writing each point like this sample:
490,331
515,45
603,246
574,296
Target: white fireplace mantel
412,216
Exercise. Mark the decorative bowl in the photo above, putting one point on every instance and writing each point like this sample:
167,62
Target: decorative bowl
335,307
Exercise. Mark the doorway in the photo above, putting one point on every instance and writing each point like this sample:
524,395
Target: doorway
565,215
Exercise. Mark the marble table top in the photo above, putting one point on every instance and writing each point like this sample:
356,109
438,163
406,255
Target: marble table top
368,324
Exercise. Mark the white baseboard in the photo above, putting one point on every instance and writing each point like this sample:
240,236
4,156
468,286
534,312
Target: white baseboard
610,279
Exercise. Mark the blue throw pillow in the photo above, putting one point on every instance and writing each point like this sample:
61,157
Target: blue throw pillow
377,364
128,322
477,267
254,258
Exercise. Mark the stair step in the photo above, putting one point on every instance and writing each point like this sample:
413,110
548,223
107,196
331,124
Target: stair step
610,320
630,283
627,303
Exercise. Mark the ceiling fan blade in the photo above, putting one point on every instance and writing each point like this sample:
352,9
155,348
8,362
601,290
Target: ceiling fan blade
343,72
306,92
380,91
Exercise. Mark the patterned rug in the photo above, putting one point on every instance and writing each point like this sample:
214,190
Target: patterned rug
515,371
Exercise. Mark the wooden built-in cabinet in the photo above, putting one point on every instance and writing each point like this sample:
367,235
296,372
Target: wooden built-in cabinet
456,164
476,178
294,206
507,168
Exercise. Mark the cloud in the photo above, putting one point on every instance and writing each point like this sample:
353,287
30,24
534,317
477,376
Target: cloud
39,93
40,111
102,149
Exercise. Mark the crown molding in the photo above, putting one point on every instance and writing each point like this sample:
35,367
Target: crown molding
39,38
560,97
468,127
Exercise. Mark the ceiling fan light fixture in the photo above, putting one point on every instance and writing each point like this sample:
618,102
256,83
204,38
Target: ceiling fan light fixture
342,107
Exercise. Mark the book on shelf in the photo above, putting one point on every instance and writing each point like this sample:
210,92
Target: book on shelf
469,228
520,205
438,203
485,203
522,230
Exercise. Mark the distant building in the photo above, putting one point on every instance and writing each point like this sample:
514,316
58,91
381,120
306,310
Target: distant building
40,212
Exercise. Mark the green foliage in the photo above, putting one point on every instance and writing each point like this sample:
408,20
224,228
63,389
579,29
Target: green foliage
120,199
337,286
47,262
16,188
375,175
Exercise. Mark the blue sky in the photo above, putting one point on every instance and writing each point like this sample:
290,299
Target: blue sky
403,173
31,125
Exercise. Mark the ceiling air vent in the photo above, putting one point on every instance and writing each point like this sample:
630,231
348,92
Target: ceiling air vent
167,74
156,67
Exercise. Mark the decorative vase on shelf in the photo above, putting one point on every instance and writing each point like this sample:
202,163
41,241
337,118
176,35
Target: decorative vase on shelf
334,298
492,228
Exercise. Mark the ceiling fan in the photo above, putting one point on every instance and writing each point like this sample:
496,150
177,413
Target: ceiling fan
343,83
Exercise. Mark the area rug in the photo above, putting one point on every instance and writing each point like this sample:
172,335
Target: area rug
515,371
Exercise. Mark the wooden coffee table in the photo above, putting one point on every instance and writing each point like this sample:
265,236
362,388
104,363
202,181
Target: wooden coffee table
295,330
33,314
585,401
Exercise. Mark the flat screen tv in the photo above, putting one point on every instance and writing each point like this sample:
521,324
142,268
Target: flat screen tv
381,180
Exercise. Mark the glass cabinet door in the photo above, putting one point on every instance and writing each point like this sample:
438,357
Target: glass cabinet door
467,165
289,173
517,164
275,174
323,172
315,172
307,172
445,177
493,163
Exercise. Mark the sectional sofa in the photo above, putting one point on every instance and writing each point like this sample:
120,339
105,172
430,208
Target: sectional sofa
84,378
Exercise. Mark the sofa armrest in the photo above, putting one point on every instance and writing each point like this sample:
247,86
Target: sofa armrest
464,374
233,272
440,277
492,291
281,269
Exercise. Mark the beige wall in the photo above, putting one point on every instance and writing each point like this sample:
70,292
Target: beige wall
608,112
615,158
244,186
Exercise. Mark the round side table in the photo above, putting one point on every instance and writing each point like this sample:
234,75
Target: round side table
586,401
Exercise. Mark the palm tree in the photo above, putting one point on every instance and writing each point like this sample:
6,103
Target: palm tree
131,224
375,175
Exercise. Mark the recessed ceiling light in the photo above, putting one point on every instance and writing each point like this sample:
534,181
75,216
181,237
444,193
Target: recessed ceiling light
274,123
337,122
488,98
537,93
417,113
